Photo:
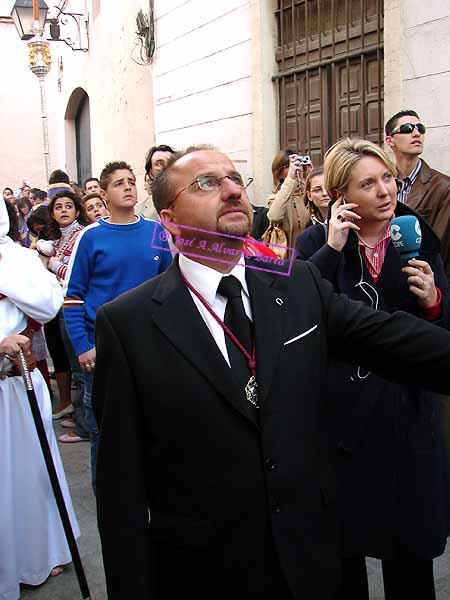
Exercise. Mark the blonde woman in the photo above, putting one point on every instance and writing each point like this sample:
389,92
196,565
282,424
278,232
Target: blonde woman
393,484
286,206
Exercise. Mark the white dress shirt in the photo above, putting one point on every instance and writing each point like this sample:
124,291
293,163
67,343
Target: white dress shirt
206,281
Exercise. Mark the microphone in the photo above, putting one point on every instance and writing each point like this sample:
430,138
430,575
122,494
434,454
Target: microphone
406,237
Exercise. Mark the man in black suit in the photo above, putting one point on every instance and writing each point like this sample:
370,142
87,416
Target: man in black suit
206,488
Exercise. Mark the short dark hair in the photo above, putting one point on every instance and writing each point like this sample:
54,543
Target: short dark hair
110,168
151,152
90,179
8,188
38,194
162,185
39,216
94,195
58,176
392,122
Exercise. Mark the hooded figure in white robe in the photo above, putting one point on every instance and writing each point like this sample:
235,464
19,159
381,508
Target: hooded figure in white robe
32,540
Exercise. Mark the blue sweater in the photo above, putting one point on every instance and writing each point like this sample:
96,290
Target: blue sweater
110,259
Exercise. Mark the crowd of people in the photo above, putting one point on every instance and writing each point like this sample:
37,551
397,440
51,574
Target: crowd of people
146,379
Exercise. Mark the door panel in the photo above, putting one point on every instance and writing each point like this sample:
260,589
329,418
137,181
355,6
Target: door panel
330,72
83,140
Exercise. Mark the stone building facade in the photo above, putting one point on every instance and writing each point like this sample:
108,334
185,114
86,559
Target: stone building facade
211,81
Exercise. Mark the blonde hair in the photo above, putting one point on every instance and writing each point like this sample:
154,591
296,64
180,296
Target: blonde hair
341,158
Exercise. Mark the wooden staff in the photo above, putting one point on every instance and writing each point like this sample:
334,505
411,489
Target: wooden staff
62,509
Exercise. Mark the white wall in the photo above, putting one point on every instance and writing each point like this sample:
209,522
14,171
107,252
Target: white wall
427,74
266,134
119,90
202,76
417,69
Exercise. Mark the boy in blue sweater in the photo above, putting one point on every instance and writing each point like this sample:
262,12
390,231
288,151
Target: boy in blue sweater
110,257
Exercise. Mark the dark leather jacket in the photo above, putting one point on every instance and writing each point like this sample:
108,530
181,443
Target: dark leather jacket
430,197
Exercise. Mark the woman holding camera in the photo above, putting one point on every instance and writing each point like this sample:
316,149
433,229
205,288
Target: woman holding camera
393,492
286,206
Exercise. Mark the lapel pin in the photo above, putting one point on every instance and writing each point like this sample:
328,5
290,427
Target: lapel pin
279,301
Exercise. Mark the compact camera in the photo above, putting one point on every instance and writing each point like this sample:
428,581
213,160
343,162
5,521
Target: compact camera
301,161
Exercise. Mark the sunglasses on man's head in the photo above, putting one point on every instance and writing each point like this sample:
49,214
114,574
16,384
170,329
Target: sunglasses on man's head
409,128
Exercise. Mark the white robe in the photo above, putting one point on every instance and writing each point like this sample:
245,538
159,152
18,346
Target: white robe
32,540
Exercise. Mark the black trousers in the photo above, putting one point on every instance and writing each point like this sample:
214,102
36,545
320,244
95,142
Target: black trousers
56,346
403,579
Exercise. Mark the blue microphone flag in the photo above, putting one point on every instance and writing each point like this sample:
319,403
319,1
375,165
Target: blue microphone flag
406,236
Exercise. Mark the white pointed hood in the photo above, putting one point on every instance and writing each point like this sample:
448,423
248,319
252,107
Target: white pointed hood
6,243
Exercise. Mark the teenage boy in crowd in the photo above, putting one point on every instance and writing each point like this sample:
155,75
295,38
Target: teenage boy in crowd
111,257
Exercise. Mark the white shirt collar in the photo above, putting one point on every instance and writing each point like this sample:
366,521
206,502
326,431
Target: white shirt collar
206,280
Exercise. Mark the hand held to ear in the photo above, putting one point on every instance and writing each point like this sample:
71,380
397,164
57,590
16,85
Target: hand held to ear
340,223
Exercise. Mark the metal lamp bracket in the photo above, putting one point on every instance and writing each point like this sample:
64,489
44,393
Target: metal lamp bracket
70,28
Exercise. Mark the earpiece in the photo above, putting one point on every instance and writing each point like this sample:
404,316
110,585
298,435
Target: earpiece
373,304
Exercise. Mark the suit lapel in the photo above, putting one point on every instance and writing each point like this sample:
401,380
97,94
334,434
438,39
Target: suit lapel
178,319
268,318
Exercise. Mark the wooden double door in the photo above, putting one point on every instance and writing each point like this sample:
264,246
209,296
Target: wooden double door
330,73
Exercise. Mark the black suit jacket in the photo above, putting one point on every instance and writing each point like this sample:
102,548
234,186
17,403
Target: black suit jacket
231,499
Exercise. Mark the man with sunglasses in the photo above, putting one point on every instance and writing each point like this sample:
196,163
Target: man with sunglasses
215,471
422,188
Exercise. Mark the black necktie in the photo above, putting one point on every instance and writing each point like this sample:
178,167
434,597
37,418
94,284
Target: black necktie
236,319
240,325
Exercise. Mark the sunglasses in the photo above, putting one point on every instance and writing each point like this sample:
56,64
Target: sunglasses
409,128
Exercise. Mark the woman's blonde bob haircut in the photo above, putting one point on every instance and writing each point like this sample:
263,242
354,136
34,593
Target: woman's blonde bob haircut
341,158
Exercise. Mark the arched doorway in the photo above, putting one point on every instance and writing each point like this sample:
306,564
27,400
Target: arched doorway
78,135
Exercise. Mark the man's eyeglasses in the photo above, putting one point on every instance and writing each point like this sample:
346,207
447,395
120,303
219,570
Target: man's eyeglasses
409,128
211,183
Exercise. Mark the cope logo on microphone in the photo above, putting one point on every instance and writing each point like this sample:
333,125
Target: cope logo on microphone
396,233
419,232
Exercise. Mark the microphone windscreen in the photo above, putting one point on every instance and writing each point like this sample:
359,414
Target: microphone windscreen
406,236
